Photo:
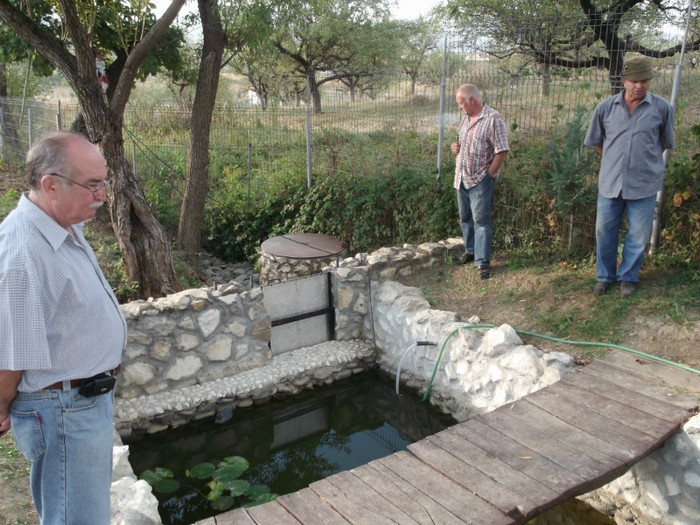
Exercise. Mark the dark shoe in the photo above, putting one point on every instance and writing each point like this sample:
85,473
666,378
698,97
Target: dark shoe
484,272
464,258
601,287
627,288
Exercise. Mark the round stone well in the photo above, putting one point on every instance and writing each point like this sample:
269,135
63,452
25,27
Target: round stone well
295,255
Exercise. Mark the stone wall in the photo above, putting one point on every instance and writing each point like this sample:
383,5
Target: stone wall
201,353
193,337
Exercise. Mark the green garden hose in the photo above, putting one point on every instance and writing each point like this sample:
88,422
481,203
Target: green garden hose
581,343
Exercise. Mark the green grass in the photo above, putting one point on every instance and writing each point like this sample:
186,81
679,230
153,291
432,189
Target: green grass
12,461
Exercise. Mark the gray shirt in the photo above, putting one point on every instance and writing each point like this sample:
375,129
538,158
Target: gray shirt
59,318
633,145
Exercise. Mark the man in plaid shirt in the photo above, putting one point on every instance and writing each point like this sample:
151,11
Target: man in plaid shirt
481,148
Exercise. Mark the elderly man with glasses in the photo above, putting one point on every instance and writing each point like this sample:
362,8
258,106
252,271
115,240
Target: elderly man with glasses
63,334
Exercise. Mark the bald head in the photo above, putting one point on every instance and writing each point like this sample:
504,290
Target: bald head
57,152
465,91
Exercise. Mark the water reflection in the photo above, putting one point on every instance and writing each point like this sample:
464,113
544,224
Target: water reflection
292,443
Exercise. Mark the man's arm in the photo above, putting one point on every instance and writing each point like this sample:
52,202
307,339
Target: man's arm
9,379
498,159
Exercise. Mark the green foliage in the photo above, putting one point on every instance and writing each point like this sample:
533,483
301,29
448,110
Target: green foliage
680,236
8,202
567,177
225,489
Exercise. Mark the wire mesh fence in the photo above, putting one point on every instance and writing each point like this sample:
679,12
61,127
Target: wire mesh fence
391,122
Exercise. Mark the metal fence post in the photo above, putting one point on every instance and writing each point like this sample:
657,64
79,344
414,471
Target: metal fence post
308,131
250,171
58,117
2,133
441,131
30,130
677,77
133,158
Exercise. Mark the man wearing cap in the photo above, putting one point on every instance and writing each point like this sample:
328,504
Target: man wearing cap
631,130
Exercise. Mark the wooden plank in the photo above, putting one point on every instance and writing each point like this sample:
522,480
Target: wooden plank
443,454
595,424
206,521
234,517
522,458
562,431
458,500
626,415
357,502
272,512
418,505
307,507
648,368
607,383
645,386
528,433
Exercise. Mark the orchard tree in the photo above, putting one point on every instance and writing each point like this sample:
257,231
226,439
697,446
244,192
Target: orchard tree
572,33
143,241
318,35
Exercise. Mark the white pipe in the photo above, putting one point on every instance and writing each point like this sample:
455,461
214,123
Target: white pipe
403,356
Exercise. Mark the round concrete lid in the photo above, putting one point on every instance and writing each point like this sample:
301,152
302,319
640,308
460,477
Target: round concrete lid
303,246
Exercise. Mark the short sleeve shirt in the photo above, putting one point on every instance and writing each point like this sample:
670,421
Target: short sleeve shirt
59,318
632,164
479,143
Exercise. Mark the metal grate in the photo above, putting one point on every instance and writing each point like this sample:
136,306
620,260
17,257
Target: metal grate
301,311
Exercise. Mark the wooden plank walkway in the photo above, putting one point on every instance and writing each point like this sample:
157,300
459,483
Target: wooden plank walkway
511,464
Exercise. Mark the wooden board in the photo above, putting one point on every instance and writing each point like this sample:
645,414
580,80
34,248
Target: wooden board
271,512
609,382
522,458
560,430
307,507
650,369
458,500
531,434
357,502
645,424
234,517
445,452
420,506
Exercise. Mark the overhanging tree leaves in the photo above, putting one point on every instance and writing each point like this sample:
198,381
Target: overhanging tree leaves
318,35
143,242
572,33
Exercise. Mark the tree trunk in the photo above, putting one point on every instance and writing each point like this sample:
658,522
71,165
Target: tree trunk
315,93
7,123
194,198
144,245
143,241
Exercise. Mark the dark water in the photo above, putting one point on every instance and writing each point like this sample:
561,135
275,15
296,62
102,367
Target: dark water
292,443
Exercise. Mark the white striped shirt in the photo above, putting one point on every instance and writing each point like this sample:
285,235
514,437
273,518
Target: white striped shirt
479,142
59,318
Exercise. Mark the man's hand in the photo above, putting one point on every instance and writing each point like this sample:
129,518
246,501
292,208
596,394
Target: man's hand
9,379
455,148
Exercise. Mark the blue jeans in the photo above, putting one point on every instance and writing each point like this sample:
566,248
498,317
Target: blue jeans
68,439
640,218
475,209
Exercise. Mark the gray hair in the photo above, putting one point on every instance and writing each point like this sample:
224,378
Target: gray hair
50,155
469,90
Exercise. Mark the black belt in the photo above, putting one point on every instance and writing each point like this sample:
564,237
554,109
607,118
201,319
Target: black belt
80,382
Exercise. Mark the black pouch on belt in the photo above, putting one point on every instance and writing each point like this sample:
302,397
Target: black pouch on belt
97,385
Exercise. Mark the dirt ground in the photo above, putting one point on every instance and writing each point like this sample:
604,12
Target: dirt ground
540,300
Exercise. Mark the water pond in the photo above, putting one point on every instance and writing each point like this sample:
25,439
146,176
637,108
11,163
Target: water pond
293,442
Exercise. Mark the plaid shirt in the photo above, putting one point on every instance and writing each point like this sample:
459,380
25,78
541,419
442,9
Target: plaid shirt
479,142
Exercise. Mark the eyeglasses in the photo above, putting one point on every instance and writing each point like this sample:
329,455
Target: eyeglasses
93,189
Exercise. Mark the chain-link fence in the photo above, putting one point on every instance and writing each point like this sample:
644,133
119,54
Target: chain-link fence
385,122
